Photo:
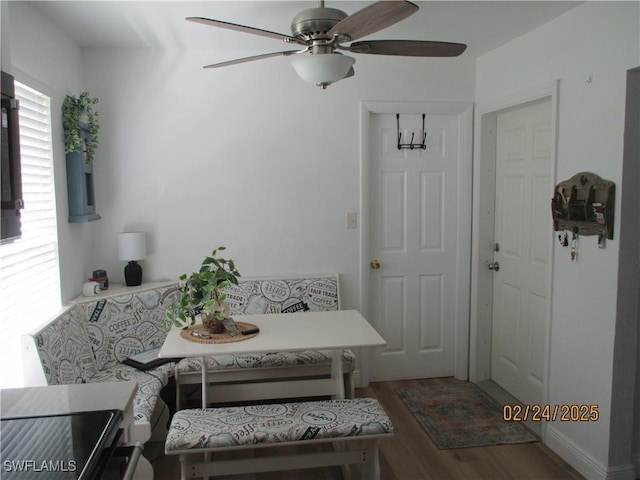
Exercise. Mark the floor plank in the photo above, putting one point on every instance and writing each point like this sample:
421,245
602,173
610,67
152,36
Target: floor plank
411,455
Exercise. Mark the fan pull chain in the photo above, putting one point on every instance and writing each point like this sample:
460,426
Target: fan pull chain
411,145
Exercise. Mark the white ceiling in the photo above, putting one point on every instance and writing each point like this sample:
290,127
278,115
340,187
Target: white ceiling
482,25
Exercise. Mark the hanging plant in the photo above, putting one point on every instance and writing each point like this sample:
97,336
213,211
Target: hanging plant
77,111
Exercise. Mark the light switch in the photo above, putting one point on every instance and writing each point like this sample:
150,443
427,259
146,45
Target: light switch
352,220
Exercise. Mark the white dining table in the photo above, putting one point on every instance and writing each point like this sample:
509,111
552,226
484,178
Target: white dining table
286,332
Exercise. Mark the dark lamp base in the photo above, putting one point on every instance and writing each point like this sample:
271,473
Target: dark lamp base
133,274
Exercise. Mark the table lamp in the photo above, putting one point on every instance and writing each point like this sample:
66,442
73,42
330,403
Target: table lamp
131,247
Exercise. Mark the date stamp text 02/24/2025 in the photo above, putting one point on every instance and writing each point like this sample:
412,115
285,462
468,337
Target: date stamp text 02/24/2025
550,413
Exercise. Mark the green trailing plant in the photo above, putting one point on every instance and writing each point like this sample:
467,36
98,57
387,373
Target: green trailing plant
73,108
203,292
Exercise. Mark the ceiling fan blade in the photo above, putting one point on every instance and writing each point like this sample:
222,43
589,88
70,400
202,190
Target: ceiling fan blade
373,18
245,29
408,48
255,57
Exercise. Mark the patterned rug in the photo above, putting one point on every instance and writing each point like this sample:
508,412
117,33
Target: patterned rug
461,415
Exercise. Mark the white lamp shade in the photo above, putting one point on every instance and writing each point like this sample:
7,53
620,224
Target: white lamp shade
322,69
131,246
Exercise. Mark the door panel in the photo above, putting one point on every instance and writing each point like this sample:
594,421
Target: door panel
522,229
431,210
393,319
394,205
430,311
413,233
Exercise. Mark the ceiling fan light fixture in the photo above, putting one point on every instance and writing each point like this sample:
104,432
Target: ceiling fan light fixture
322,69
322,31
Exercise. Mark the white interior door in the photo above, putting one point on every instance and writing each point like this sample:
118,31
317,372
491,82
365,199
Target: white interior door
413,210
522,229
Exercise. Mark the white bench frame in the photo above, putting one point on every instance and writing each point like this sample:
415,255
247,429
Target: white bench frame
366,454
241,384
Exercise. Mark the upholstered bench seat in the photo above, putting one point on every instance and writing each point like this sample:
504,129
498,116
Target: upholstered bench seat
150,382
211,430
241,378
88,341
260,360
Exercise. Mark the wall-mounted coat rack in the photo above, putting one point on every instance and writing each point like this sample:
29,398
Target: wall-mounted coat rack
584,204
411,145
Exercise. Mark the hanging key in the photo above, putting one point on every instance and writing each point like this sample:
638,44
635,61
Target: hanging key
574,244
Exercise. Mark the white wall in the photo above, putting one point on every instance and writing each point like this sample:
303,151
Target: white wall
45,58
250,157
589,49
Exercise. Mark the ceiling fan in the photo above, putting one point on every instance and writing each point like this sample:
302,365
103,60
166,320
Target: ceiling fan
319,32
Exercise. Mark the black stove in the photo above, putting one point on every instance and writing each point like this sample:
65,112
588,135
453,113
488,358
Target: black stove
74,446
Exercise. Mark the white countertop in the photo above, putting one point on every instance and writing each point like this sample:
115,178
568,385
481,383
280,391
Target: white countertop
281,332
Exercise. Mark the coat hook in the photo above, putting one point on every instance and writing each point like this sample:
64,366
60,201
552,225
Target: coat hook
411,145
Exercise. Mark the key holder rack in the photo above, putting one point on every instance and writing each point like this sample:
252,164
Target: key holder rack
411,145
584,205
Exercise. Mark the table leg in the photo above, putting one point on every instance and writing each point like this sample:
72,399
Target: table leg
337,373
203,369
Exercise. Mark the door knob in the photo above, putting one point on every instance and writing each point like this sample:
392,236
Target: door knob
375,264
495,266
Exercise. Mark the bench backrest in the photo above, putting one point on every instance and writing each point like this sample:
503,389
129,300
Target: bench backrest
63,348
98,334
284,294
127,324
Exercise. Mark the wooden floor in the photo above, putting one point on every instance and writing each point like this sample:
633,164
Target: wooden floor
411,455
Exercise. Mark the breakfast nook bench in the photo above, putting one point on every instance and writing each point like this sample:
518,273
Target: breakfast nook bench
87,343
354,427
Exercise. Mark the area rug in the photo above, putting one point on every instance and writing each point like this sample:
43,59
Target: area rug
460,415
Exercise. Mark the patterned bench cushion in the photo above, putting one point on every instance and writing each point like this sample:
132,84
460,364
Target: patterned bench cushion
283,295
150,383
122,326
257,360
64,349
211,428
66,356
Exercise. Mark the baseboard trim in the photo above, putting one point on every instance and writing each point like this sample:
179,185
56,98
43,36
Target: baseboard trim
583,462
622,472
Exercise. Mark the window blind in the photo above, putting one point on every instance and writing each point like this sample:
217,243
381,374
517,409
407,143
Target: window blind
29,271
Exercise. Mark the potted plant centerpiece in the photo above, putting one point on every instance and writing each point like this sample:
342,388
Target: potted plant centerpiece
203,293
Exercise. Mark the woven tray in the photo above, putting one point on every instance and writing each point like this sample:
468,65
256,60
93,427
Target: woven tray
218,337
